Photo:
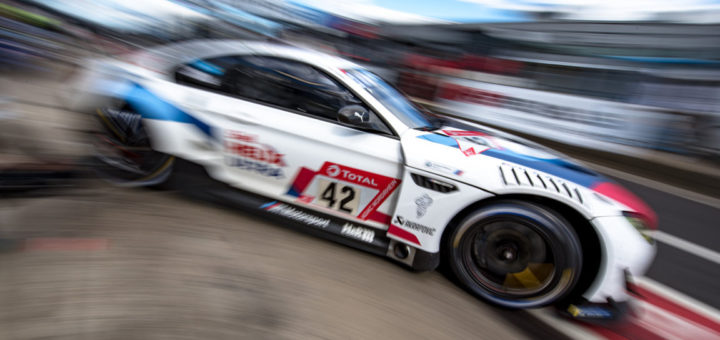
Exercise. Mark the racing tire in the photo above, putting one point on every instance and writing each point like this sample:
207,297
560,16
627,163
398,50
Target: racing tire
123,154
515,254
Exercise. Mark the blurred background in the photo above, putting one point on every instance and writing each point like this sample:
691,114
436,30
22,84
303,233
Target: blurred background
630,87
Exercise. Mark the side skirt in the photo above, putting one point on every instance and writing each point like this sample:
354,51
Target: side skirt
192,180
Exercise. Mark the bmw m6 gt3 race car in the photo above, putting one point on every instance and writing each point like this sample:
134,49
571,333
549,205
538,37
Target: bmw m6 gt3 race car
327,145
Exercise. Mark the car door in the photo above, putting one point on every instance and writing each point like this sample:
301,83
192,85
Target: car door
282,139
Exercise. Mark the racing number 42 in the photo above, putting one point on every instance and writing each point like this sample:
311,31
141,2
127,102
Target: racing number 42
340,197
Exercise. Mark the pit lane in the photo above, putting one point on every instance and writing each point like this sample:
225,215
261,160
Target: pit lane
102,262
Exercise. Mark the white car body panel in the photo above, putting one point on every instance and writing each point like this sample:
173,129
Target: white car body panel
311,153
623,249
424,213
288,134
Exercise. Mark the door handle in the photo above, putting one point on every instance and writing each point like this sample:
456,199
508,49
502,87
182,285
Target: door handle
240,117
237,117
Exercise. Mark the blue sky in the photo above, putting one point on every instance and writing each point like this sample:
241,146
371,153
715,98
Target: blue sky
451,10
519,10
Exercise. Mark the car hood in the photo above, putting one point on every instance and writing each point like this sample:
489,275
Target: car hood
473,154
479,156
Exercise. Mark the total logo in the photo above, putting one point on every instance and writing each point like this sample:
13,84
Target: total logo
333,170
350,175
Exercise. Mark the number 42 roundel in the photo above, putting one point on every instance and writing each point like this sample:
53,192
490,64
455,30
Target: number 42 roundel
348,190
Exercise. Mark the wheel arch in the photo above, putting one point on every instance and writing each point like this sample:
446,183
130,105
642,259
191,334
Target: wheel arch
589,238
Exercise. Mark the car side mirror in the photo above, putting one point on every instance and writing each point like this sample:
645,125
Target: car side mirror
354,115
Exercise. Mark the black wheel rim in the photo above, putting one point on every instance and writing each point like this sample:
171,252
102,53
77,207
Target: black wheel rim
123,150
510,258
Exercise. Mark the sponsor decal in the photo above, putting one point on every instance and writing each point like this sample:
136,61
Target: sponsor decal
463,133
403,234
246,152
401,221
593,312
525,155
357,232
375,203
345,198
345,189
349,174
306,199
423,202
444,168
295,214
468,141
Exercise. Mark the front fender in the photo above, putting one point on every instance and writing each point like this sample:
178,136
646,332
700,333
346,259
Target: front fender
624,252
424,211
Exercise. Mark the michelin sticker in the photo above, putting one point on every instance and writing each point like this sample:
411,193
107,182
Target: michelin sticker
423,202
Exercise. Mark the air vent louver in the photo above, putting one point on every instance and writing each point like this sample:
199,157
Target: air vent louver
433,184
515,175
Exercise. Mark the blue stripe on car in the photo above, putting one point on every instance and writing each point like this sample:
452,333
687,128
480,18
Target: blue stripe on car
440,139
207,67
150,106
556,166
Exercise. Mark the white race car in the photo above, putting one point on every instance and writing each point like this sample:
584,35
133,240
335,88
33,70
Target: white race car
325,144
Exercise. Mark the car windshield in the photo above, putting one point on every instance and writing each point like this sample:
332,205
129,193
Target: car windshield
392,99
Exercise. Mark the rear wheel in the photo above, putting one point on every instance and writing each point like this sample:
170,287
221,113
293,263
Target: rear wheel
515,254
123,154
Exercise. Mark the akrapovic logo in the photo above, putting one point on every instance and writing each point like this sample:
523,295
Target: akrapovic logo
401,221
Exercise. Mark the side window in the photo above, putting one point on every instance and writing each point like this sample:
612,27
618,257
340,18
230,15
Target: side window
205,74
289,84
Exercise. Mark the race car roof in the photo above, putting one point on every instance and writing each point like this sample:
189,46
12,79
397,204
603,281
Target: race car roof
165,58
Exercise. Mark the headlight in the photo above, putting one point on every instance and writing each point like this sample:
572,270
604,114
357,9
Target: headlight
639,224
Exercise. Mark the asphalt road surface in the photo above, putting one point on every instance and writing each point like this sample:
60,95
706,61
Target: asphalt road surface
691,221
102,262
106,263
109,263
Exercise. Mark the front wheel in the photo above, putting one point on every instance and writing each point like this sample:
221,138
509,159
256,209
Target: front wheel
515,254
123,154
